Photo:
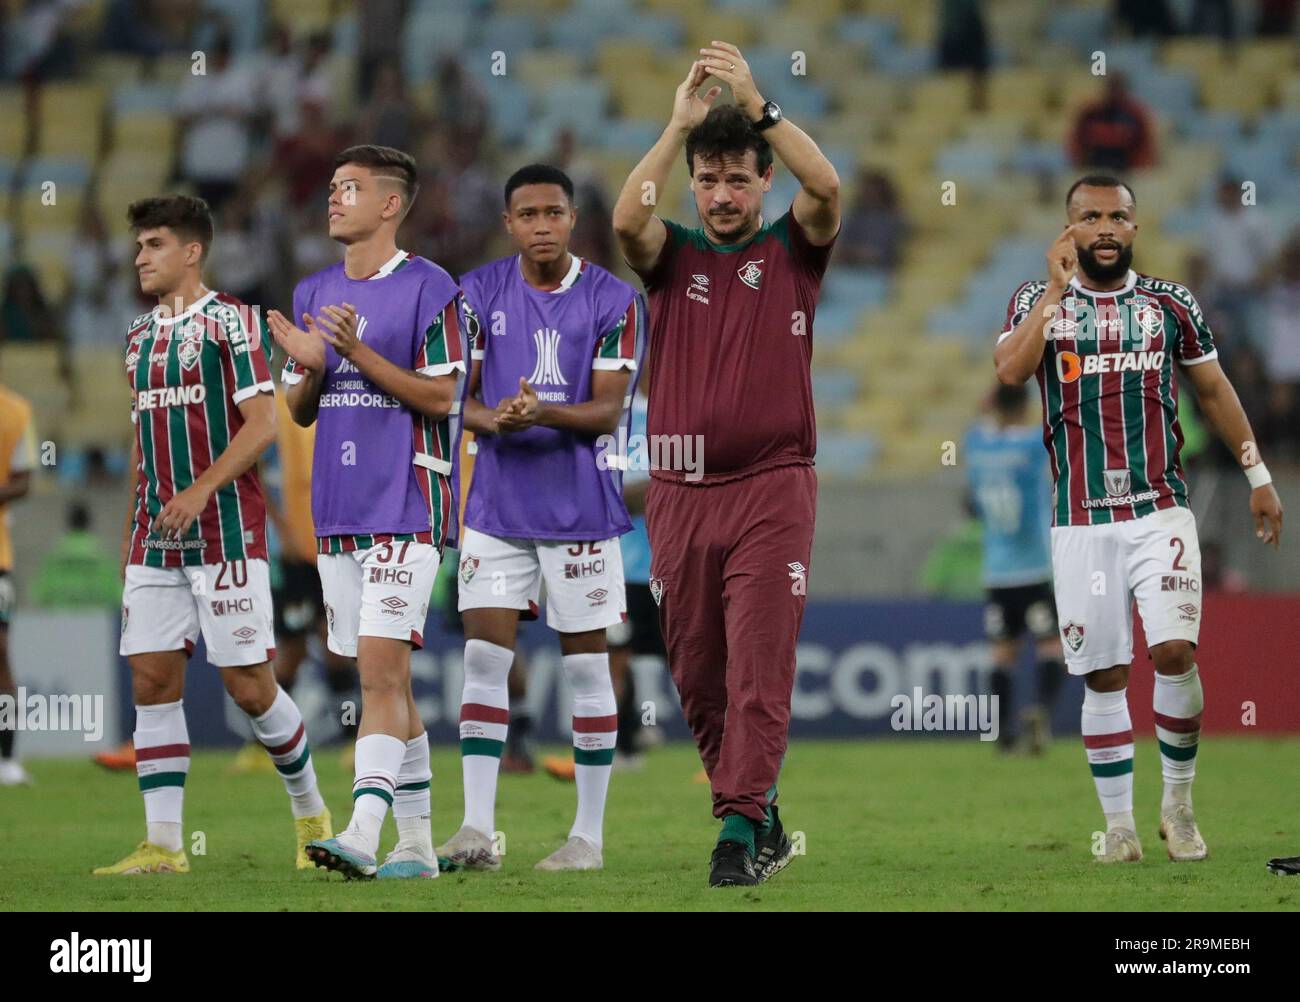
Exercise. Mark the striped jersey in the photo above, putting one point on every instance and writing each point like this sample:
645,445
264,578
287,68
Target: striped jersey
188,375
1110,400
380,471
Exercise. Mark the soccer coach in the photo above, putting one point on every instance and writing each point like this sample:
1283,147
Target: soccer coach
731,311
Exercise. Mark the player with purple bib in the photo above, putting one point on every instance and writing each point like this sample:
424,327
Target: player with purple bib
379,369
554,345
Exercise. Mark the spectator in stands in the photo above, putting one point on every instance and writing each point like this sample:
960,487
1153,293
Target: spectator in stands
25,314
874,228
1281,348
289,77
963,44
1243,244
150,28
1213,17
1146,17
592,238
243,260
1114,132
389,117
304,161
78,573
90,267
381,41
39,46
217,110
1277,18
462,108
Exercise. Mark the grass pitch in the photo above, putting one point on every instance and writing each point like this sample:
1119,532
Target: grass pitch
890,824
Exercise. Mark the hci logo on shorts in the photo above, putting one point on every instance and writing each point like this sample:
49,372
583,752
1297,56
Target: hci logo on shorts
656,589
1073,634
1116,481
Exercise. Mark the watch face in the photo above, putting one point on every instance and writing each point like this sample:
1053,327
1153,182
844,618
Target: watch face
773,111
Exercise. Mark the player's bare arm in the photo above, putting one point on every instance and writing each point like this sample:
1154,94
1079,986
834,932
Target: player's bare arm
594,417
253,439
817,203
1016,358
1224,413
478,416
431,396
307,348
640,233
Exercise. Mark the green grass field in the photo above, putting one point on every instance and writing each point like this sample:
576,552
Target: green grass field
894,824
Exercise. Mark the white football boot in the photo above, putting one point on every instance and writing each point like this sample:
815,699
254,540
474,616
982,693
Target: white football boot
1182,837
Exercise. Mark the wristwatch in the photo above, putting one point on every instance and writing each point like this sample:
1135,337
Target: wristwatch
771,115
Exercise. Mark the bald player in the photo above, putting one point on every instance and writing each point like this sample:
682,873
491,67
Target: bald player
731,312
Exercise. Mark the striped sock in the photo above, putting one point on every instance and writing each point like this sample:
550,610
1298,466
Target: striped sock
284,736
1178,702
595,732
484,723
1108,738
162,761
378,761
411,808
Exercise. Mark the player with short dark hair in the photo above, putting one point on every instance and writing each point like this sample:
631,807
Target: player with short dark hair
378,369
194,544
732,306
555,341
1102,341
1009,492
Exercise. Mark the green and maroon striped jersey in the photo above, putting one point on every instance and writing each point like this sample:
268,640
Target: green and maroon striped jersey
1110,400
188,375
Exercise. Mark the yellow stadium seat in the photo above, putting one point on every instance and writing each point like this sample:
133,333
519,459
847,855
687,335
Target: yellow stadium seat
41,210
13,122
542,67
1195,54
146,134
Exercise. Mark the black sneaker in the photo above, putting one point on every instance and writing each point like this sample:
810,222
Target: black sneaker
1285,866
732,866
774,851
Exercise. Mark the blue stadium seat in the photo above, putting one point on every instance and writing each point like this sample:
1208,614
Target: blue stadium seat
836,322
429,35
875,34
1082,28
1223,128
1170,91
8,172
1036,158
629,135
836,387
508,101
61,170
906,60
970,159
841,454
578,104
863,287
509,33
143,98
246,19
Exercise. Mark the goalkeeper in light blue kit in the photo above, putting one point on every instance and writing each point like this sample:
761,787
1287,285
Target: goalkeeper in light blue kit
1011,495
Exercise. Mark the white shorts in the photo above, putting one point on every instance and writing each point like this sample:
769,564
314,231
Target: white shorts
165,608
584,581
1101,569
381,591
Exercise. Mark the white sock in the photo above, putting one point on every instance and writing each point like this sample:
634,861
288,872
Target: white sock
378,761
281,732
411,807
595,730
484,716
1108,739
162,762
1178,702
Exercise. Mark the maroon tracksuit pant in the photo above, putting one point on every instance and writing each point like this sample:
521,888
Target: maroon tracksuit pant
730,566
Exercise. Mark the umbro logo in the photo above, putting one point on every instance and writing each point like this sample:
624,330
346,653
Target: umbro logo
699,289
